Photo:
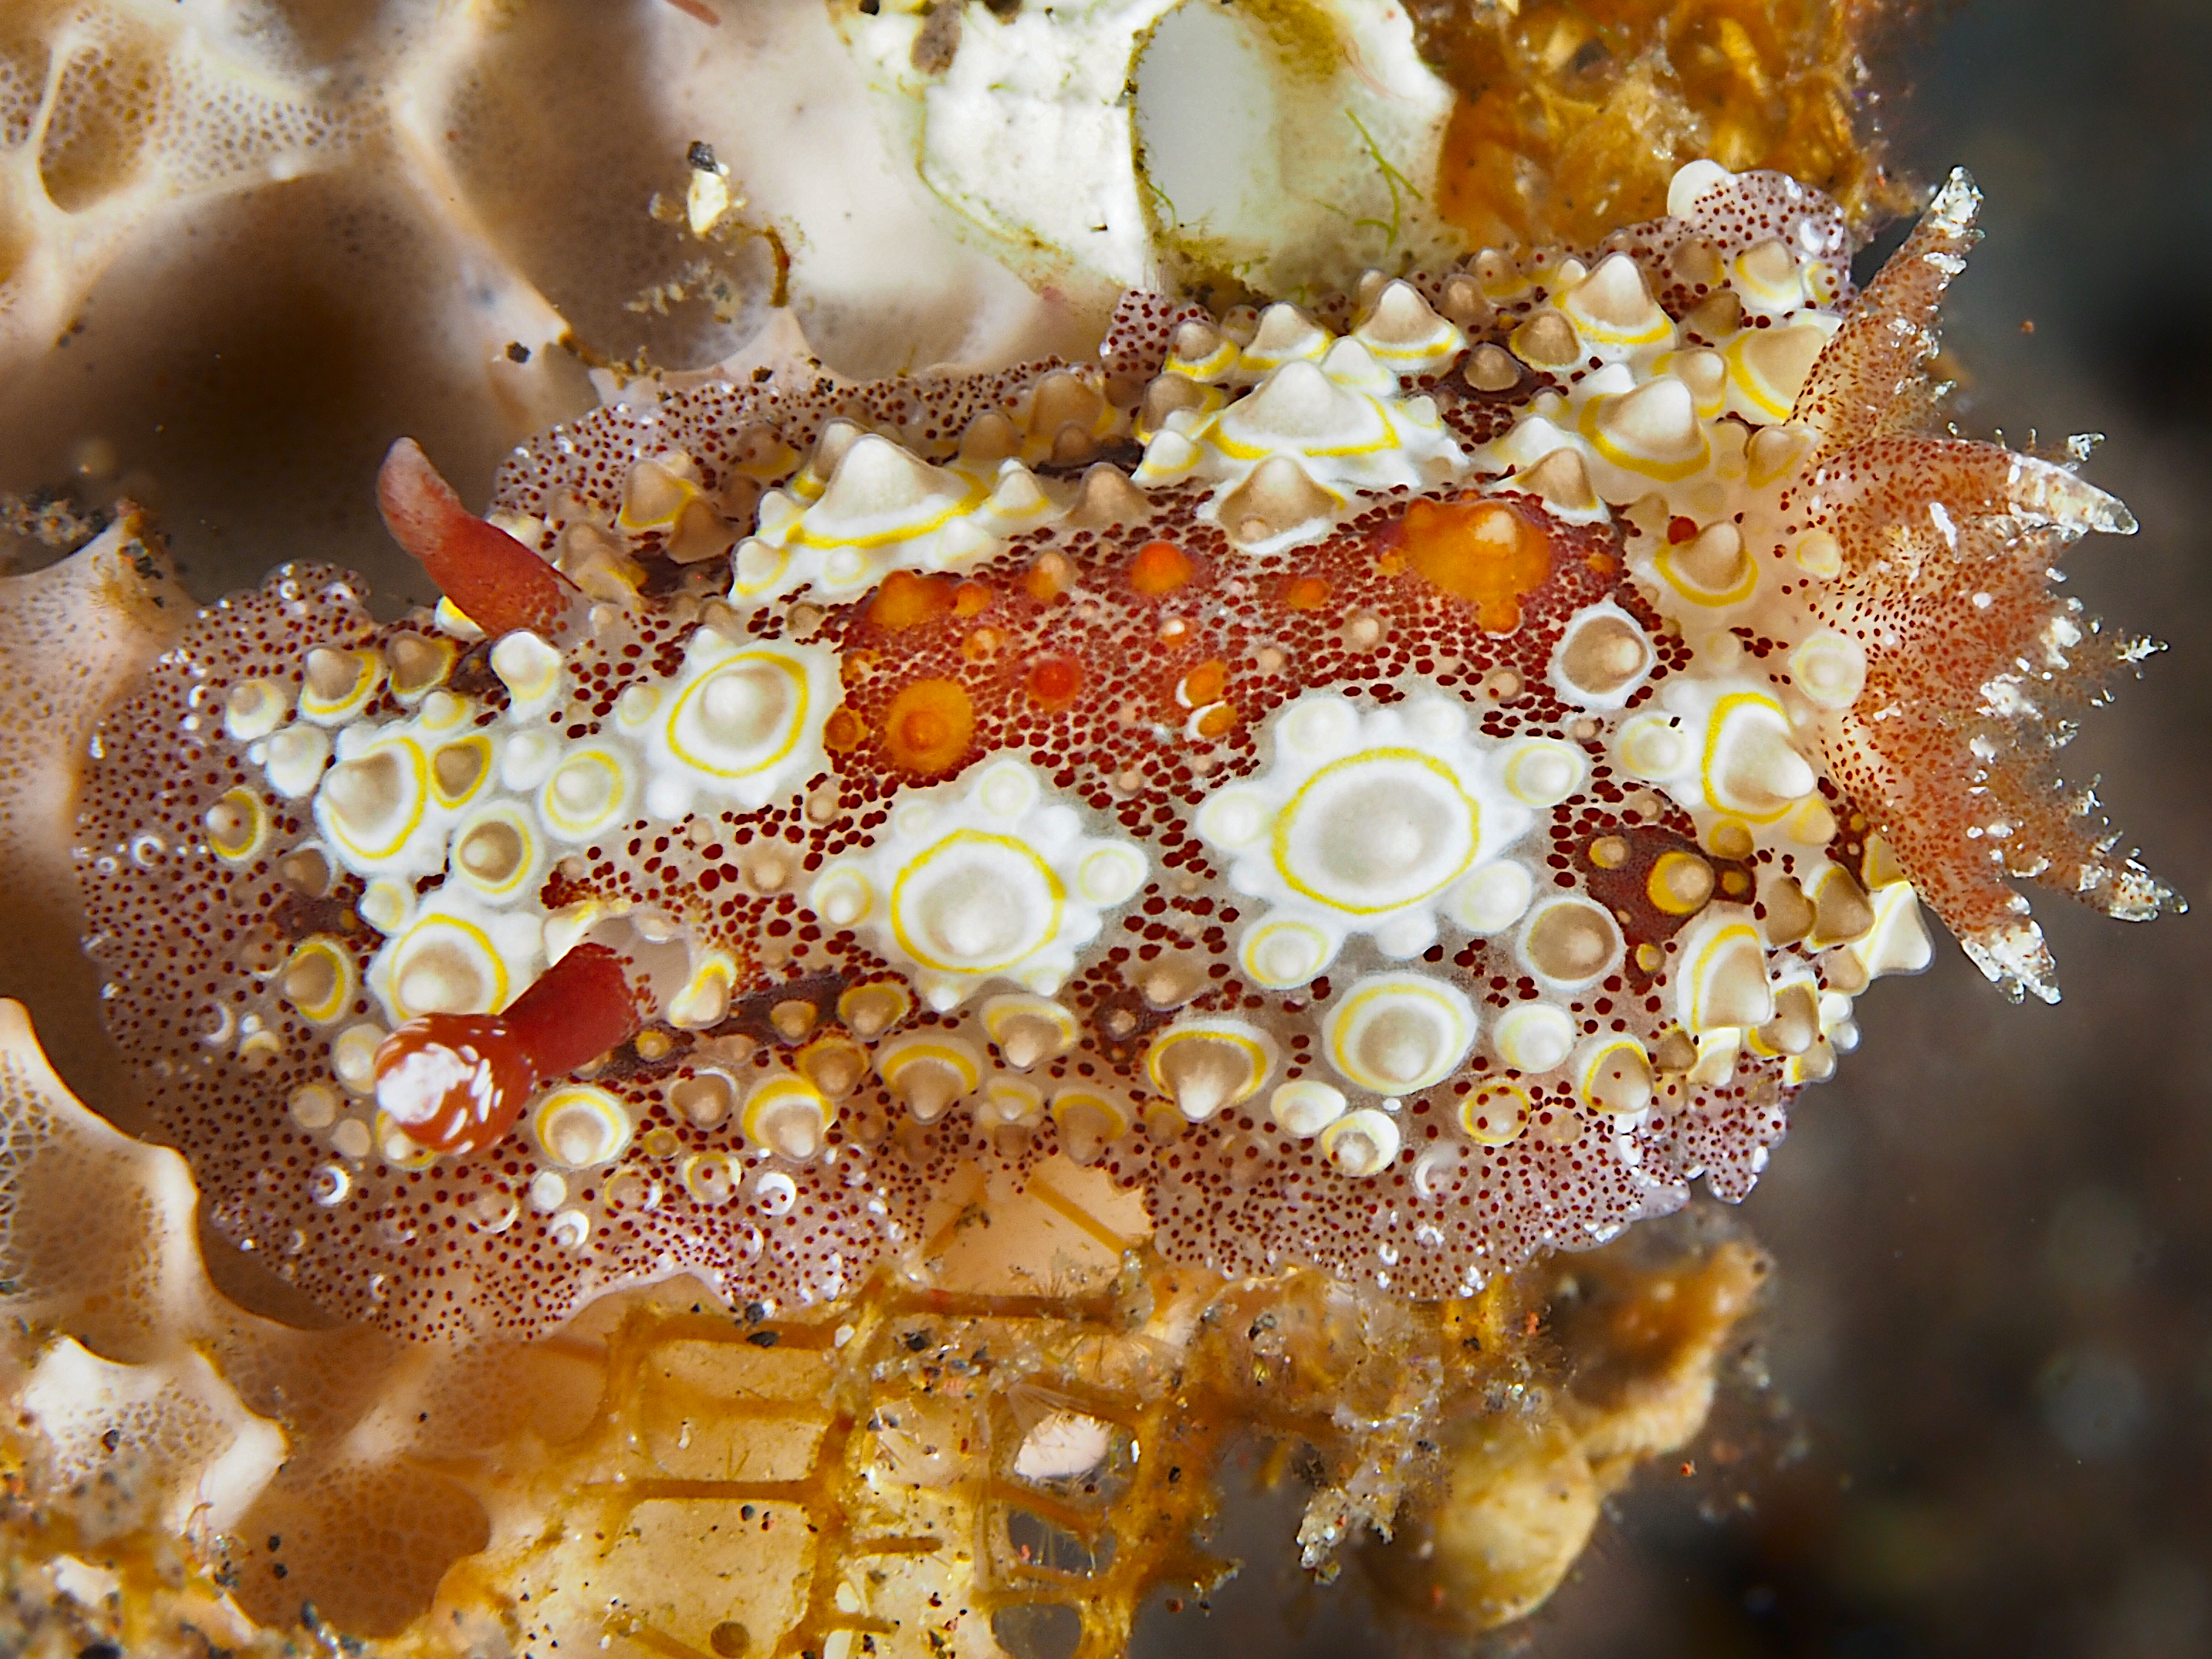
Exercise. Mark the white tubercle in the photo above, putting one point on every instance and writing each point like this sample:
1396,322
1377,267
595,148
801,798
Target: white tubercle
1399,1033
1691,180
1317,427
591,788
1285,334
1306,1107
989,877
1404,333
1721,972
1614,313
1362,1143
1612,1075
254,708
529,668
740,724
1732,759
1829,669
1362,822
881,509
580,1125
294,757
1603,655
1495,1114
1204,1065
1493,897
1533,1037
370,808
455,955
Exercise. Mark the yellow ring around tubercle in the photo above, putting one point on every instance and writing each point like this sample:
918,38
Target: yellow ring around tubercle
1242,452
248,801
1279,846
1589,328
913,1053
1438,345
1067,1099
971,838
385,1128
1610,1046
1347,1018
615,800
513,817
370,670
1248,951
608,1106
781,1091
1220,360
1655,890
1471,1107
1664,562
1747,383
1529,750
346,986
421,762
782,564
482,938
1168,1040
1722,937
976,495
796,725
1757,1045
1715,724
1663,472
479,741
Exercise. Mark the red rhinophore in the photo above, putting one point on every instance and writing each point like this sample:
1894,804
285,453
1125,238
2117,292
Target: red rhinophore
455,1083
575,1011
498,582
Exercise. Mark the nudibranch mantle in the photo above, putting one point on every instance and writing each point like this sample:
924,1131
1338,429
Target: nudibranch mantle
1401,784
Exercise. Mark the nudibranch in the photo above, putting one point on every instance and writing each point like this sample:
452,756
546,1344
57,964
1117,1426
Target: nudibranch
1400,782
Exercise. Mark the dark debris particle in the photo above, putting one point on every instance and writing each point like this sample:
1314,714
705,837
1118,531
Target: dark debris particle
937,41
762,1339
517,352
701,155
